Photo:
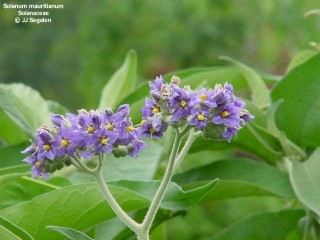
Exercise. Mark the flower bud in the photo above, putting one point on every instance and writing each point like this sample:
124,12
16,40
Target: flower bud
108,111
175,80
120,151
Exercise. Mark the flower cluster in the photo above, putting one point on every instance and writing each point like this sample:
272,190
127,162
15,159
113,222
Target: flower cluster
216,112
83,135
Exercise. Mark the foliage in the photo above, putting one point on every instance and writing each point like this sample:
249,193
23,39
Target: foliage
279,160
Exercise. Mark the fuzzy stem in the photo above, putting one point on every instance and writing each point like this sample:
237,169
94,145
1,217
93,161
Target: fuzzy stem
123,216
174,161
155,204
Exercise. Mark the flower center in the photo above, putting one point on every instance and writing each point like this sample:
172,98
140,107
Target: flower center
203,97
143,121
129,128
64,142
46,147
225,114
38,163
91,129
156,109
201,117
109,126
152,131
183,103
104,141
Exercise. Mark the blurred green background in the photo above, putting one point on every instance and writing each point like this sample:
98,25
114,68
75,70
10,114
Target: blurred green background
71,59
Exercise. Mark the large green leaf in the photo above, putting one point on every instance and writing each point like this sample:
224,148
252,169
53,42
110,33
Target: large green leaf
239,177
260,93
263,226
121,83
10,231
16,189
299,114
24,106
305,180
82,206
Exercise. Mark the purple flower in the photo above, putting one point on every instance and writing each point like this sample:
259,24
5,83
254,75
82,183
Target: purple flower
205,97
229,116
150,108
179,102
66,142
104,141
88,124
153,128
229,133
199,118
36,166
223,95
46,148
137,146
160,90
57,119
112,122
127,133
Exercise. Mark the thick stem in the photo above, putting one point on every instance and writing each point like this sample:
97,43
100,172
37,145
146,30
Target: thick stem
123,216
155,204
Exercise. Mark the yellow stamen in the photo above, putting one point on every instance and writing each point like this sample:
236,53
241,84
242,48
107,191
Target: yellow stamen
129,128
203,97
109,127
46,147
104,141
225,114
36,149
143,121
64,142
156,109
201,117
91,129
183,103
38,163
152,131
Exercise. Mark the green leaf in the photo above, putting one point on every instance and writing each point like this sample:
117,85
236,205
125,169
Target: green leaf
300,58
263,226
127,168
10,133
175,198
82,206
10,231
260,93
56,108
17,189
11,156
305,180
24,106
71,233
299,114
22,169
121,83
6,234
238,178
